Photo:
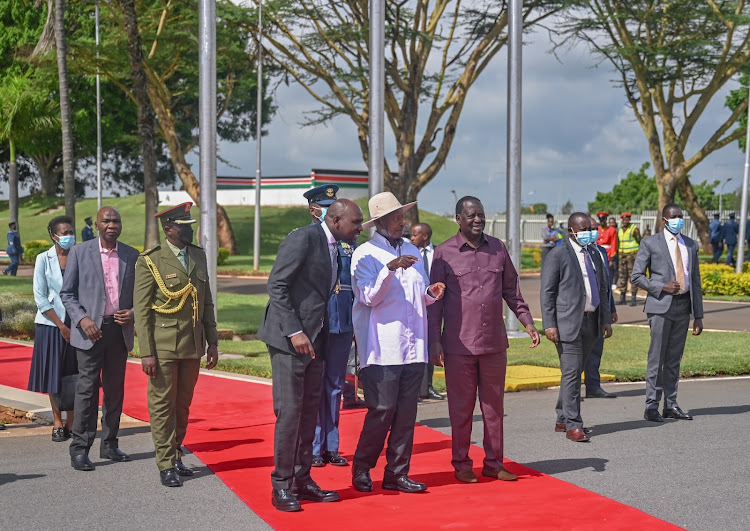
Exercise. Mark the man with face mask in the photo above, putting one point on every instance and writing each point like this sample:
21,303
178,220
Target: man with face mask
174,321
674,292
575,312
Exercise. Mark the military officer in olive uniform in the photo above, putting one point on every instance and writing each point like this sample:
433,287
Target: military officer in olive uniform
340,334
174,320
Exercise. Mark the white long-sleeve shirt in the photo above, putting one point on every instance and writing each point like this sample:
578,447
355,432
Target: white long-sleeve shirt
390,307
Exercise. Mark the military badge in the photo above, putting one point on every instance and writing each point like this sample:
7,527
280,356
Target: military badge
330,192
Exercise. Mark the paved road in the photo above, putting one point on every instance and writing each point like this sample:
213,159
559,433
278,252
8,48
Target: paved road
690,473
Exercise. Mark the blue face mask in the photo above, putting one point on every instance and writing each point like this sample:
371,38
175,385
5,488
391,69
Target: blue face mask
585,237
66,242
323,212
594,235
674,225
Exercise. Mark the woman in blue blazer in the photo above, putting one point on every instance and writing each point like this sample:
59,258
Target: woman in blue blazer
53,356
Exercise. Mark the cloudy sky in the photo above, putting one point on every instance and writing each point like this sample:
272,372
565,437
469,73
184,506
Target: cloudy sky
578,136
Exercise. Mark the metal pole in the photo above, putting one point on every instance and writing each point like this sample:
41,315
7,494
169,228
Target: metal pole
98,119
721,197
513,171
207,130
377,102
258,134
743,211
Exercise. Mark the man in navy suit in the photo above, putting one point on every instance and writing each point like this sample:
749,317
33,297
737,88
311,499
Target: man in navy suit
97,293
14,249
729,232
592,379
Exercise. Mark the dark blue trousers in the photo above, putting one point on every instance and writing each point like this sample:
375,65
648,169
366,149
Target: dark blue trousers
12,269
730,254
334,375
718,249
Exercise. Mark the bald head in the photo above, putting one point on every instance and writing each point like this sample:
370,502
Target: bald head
579,221
109,225
344,219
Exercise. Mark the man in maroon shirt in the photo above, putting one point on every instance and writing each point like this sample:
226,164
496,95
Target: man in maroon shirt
467,333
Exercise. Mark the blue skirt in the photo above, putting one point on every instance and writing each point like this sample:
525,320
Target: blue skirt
52,359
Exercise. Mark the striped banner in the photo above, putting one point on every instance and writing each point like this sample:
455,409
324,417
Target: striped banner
343,178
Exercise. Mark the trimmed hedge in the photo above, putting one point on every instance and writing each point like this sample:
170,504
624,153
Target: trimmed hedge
722,280
33,248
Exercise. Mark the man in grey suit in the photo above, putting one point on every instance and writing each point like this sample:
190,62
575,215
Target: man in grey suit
295,329
575,311
97,293
674,292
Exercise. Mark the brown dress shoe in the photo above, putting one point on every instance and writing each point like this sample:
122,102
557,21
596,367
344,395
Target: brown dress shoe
465,476
498,473
577,435
560,428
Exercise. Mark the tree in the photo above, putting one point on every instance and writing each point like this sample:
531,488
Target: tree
635,193
66,121
671,58
145,121
24,112
567,208
435,51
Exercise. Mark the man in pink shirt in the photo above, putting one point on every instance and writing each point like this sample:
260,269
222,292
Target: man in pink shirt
467,333
97,293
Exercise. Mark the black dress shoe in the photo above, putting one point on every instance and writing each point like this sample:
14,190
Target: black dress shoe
600,393
58,435
355,404
68,434
115,454
182,469
284,500
361,480
431,393
81,462
675,413
318,461
403,484
653,415
312,492
169,478
335,459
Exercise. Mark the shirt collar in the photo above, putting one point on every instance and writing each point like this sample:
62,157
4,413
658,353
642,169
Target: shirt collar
460,241
102,250
176,250
329,237
382,241
577,247
668,236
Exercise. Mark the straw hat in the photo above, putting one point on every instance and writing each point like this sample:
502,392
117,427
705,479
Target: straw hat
383,204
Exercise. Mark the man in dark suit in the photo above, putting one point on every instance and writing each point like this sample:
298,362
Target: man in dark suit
594,360
14,249
295,329
87,233
575,311
97,293
729,232
674,292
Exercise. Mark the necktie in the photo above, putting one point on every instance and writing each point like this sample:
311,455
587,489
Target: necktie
182,257
592,278
679,268
426,262
334,265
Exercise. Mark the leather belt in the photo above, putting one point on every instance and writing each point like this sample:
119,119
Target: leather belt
680,297
108,320
590,314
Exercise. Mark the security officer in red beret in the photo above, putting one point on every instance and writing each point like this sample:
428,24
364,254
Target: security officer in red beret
174,321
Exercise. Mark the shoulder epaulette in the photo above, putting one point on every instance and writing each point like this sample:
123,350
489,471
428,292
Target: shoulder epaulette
149,251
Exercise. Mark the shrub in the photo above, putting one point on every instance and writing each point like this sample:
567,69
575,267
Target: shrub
33,248
18,315
722,280
222,256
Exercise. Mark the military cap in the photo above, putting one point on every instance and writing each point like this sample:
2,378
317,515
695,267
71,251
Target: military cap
625,215
179,214
731,215
12,223
323,195
87,220
602,214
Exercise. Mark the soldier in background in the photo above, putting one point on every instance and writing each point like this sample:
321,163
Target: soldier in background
87,233
174,319
628,237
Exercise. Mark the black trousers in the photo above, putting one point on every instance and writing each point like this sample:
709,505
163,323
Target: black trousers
573,355
103,366
297,383
391,393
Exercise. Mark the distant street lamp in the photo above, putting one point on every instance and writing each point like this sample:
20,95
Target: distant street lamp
455,197
721,198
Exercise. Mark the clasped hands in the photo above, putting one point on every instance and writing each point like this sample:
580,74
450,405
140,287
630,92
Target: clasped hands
94,333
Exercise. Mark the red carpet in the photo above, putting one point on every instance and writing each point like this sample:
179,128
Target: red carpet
231,431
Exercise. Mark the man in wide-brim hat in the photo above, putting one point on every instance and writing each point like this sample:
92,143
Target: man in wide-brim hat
391,294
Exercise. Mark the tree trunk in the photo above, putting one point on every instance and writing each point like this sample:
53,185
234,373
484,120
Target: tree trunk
66,122
224,230
13,183
696,213
145,122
